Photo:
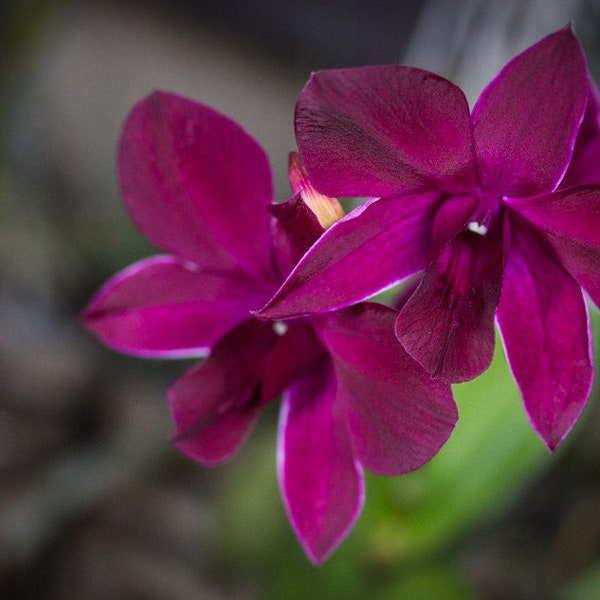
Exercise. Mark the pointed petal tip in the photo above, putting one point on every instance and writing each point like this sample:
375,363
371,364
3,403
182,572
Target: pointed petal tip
280,309
552,440
156,95
554,436
568,31
319,543
318,549
257,314
322,484
277,309
266,313
318,556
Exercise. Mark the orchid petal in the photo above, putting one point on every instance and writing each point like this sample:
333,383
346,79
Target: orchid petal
570,222
384,131
162,307
322,484
452,217
376,245
572,213
196,183
399,416
585,166
542,308
296,352
581,261
215,405
526,121
294,230
447,325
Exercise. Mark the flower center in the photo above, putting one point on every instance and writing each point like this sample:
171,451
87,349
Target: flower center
279,327
477,227
488,214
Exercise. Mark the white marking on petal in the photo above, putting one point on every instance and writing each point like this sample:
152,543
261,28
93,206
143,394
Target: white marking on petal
279,327
478,228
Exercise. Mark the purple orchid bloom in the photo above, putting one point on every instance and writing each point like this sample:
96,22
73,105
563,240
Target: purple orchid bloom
481,204
198,186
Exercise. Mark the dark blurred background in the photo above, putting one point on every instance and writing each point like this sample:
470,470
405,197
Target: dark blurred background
94,502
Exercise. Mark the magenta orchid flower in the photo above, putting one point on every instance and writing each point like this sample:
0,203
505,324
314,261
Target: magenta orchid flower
198,186
483,205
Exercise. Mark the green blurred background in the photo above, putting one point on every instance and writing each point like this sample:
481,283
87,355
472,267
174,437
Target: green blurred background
94,502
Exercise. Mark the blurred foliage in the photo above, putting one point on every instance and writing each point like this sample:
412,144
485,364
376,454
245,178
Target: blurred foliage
584,587
20,20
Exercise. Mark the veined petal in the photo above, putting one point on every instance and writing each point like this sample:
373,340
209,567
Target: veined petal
545,328
196,183
322,483
570,222
384,131
162,307
399,416
376,245
447,325
584,167
215,405
572,213
526,120
581,261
